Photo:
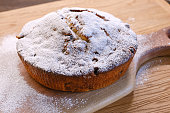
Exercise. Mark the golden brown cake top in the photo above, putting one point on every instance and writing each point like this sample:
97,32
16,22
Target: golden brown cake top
76,41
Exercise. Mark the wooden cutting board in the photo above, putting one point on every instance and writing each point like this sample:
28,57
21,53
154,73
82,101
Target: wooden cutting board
144,16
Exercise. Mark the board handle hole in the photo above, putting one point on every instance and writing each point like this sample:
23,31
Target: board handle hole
168,33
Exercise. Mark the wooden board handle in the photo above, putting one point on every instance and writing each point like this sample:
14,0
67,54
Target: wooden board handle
153,45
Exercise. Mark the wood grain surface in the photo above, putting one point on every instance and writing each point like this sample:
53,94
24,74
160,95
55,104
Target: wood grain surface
144,16
6,5
151,96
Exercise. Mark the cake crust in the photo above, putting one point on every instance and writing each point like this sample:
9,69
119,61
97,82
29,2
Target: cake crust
82,83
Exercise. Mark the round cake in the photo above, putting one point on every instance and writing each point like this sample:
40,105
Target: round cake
76,49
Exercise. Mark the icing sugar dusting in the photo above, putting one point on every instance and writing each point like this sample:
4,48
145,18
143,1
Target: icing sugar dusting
74,41
16,95
131,19
146,71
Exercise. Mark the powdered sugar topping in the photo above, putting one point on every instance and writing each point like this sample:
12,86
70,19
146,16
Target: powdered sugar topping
76,41
19,93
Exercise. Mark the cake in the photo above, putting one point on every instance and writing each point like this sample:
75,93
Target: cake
76,49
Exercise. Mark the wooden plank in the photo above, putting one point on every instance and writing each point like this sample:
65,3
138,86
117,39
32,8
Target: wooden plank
144,16
6,5
150,96
148,15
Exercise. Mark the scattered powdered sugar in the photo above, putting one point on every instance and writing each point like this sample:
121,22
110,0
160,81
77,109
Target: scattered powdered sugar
16,95
75,41
131,19
142,75
148,68
143,45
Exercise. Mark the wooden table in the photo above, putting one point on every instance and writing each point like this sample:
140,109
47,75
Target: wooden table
144,16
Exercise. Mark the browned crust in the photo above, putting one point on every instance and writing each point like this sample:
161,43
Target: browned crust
75,83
